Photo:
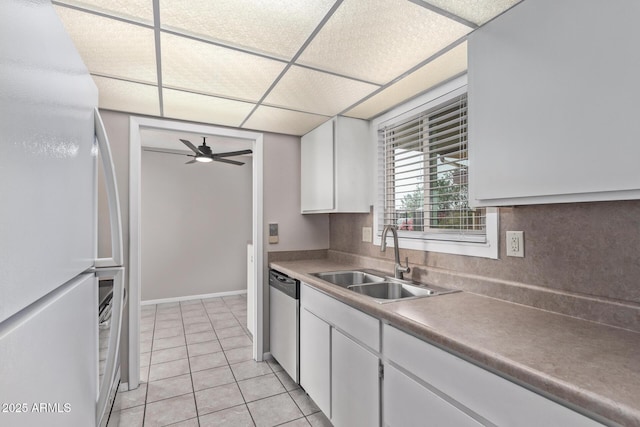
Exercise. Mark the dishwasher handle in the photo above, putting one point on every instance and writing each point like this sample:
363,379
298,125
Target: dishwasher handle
285,284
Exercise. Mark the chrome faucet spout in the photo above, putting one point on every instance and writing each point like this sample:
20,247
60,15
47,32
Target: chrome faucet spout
399,269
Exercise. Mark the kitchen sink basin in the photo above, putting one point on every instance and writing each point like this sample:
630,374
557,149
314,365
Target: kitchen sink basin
379,286
392,290
349,278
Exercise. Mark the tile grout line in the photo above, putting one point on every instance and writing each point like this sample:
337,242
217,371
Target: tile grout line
146,393
229,365
181,311
193,390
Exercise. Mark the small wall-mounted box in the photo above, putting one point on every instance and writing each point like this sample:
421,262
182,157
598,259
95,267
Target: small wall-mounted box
273,233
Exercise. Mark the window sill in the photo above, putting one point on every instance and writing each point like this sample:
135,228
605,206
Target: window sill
488,249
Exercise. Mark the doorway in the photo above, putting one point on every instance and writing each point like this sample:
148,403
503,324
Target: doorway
136,126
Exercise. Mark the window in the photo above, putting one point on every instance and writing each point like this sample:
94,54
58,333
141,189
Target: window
423,166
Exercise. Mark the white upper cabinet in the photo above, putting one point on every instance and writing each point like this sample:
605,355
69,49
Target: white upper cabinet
336,170
553,104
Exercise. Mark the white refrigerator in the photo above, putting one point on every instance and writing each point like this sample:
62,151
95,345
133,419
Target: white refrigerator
51,139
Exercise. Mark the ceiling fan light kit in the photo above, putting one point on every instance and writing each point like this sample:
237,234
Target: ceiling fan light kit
203,159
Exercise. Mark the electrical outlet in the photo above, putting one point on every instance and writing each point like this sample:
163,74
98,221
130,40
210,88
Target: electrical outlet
515,243
367,234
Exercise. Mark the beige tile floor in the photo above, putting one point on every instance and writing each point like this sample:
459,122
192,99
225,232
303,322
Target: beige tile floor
197,370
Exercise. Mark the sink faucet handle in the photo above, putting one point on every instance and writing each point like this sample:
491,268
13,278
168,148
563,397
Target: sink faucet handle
406,261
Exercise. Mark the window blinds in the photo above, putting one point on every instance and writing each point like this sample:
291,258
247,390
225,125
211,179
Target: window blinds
423,169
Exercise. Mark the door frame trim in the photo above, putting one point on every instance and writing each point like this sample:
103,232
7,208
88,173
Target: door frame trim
135,148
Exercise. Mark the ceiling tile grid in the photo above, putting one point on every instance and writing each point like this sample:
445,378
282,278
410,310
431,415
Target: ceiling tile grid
209,69
476,11
378,40
111,47
428,76
137,10
317,92
273,65
203,108
277,28
278,120
127,96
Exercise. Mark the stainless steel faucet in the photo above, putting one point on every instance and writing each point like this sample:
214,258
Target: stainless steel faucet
399,269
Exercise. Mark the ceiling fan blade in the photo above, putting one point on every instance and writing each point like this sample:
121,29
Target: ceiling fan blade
233,162
232,153
191,146
191,161
158,150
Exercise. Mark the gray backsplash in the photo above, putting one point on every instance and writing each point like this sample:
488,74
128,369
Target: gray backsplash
581,259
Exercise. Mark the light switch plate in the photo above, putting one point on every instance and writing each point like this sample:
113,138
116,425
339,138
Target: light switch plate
273,233
515,243
367,234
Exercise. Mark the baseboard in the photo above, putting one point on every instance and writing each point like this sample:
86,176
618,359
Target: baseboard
192,297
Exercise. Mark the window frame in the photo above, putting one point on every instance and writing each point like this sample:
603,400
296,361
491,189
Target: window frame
488,248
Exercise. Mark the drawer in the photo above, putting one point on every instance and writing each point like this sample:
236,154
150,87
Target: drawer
409,404
353,322
498,400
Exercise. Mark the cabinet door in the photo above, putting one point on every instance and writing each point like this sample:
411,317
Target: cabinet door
543,136
315,359
317,169
355,386
408,403
497,399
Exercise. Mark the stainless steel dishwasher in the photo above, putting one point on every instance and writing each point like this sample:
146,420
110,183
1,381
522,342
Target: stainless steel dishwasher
284,311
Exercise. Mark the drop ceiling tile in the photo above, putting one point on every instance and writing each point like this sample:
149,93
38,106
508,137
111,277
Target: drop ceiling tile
442,68
274,27
206,68
317,92
138,10
476,11
112,47
203,108
279,120
378,40
127,96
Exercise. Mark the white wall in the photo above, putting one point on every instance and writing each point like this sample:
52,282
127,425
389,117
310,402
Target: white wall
196,221
282,198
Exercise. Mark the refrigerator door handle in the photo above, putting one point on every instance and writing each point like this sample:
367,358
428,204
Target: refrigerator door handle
112,195
110,371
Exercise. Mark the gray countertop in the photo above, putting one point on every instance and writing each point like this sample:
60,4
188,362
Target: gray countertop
589,365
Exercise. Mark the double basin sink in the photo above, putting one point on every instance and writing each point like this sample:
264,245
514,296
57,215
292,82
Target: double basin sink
379,286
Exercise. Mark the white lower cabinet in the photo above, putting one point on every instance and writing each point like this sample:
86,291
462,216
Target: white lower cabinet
315,359
484,394
408,403
423,385
355,387
339,360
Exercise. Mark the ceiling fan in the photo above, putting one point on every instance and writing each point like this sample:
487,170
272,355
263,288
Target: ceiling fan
204,154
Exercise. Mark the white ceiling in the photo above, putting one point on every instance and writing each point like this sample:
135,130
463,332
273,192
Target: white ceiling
273,65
